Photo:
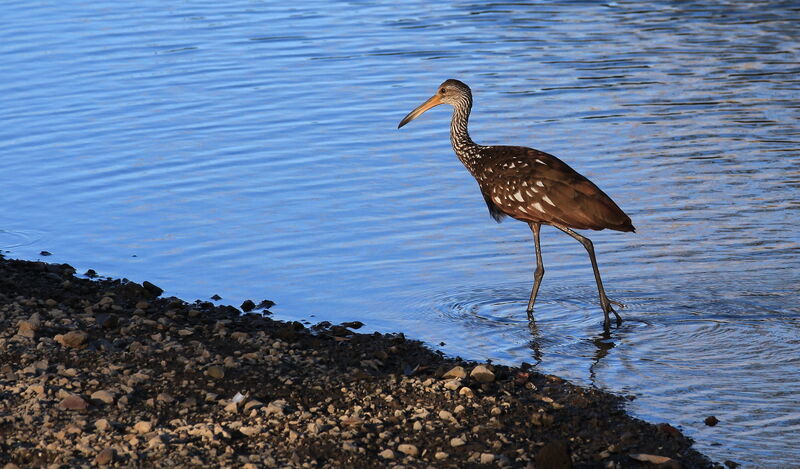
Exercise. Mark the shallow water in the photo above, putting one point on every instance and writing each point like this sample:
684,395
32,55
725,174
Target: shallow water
250,150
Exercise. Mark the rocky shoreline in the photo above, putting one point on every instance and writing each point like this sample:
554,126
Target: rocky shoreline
105,372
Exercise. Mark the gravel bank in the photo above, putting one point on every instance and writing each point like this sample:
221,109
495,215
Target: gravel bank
107,373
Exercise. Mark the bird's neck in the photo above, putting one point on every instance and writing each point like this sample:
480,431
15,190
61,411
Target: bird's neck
459,136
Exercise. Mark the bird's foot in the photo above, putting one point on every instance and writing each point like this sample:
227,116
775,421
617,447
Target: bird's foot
530,313
618,303
608,309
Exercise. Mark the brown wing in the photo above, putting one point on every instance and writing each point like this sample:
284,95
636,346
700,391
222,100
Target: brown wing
534,186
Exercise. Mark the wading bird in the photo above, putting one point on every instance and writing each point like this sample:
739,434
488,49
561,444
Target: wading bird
531,186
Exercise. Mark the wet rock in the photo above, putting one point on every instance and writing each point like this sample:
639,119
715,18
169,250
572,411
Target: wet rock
153,290
482,374
73,339
554,455
731,464
711,421
352,324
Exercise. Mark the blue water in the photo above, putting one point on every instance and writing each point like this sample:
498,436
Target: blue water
249,149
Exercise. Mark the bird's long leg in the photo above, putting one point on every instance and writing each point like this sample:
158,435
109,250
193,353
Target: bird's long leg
539,273
604,301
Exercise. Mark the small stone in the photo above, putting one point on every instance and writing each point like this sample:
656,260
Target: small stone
482,374
155,442
455,372
417,425
459,408
410,450
232,408
165,398
456,442
216,372
73,402
143,426
711,421
445,415
466,392
102,425
250,430
441,455
452,384
248,306
74,339
253,404
249,465
28,328
386,454
103,396
487,458
105,457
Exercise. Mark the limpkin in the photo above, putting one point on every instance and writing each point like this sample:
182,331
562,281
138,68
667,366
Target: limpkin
531,186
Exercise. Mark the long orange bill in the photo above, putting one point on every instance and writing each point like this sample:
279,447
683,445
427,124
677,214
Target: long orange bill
435,100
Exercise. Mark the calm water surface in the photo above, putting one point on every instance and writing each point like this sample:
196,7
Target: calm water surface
250,149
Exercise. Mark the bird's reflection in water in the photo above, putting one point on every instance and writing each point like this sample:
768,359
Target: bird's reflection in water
602,343
535,342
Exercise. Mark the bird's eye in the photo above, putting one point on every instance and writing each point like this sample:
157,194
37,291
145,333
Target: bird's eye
442,91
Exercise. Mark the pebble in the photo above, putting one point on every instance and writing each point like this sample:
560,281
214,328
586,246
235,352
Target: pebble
28,328
441,455
452,384
456,372
445,415
143,426
105,456
165,398
408,449
216,372
103,396
73,339
456,442
102,425
482,374
466,392
487,458
232,408
73,402
386,454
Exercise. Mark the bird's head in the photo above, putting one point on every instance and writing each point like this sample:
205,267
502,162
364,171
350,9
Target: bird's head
452,92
